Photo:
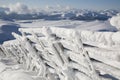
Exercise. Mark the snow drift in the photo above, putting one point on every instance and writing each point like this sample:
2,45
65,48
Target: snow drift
115,21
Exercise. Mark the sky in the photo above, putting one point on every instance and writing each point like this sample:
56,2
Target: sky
80,4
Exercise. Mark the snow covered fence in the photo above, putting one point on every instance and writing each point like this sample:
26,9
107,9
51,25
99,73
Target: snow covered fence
99,39
53,56
66,54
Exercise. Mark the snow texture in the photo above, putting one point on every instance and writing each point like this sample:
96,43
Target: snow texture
59,53
115,21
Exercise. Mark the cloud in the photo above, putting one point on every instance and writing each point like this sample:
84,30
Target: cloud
48,7
57,8
19,8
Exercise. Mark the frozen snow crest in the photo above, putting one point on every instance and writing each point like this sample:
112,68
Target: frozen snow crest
115,21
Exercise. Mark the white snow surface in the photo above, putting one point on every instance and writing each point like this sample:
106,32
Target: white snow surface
8,72
115,21
7,27
81,25
12,72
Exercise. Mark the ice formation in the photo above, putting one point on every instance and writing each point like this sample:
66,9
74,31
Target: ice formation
61,54
52,53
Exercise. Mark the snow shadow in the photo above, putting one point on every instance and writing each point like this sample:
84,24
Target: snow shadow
109,77
6,32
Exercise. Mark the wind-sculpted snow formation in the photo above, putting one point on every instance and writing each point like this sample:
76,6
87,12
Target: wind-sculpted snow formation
62,54
50,53
115,21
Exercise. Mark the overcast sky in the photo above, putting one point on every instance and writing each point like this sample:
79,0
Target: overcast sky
80,4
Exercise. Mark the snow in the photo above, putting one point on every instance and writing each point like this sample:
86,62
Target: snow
81,25
7,27
15,75
115,21
24,12
102,35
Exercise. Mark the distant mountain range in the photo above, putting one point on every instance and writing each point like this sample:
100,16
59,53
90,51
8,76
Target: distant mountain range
71,14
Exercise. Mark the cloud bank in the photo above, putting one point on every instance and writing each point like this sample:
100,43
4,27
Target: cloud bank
19,9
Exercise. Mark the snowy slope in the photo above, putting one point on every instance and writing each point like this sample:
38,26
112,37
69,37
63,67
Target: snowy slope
82,25
7,27
9,71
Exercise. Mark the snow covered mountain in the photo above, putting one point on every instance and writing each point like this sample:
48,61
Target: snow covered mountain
67,31
22,12
51,53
